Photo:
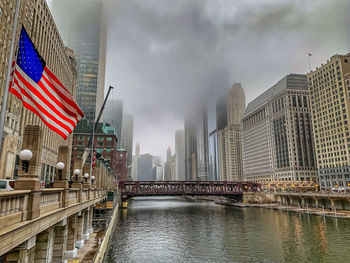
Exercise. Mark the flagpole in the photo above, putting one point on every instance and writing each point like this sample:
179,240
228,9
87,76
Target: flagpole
92,148
308,56
8,77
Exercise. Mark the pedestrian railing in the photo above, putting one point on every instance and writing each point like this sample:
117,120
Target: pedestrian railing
22,205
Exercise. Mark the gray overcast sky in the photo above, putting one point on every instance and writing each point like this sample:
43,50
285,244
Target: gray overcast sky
164,55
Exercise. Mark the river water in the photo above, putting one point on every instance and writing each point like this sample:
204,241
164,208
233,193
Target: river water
175,230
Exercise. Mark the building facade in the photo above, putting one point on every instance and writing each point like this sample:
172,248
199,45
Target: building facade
113,114
190,145
277,138
127,138
173,168
83,29
145,169
202,152
159,172
229,135
167,165
180,173
221,123
235,103
233,155
36,17
121,164
329,87
135,161
222,155
105,144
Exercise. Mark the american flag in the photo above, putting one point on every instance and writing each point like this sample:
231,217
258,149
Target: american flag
41,92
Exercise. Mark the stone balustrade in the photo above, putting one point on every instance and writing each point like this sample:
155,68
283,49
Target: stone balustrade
14,204
13,207
48,225
73,196
51,199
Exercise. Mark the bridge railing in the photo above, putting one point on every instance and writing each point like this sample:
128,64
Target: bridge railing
13,207
315,194
18,206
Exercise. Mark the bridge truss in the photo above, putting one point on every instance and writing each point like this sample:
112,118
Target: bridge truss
290,186
154,188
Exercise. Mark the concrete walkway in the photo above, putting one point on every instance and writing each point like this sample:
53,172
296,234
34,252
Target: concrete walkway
88,251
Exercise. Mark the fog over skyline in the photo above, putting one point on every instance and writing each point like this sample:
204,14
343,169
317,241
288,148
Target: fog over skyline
163,56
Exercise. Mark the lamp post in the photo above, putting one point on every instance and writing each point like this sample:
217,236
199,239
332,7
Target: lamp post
60,167
25,156
86,176
76,173
92,179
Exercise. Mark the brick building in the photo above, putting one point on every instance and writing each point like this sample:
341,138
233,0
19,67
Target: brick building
105,143
121,164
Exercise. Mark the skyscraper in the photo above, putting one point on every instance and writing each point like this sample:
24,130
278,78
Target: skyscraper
180,172
167,165
277,134
145,169
190,145
113,114
329,87
235,101
157,160
214,171
213,157
229,138
221,123
82,27
173,168
135,161
159,172
127,138
221,113
202,145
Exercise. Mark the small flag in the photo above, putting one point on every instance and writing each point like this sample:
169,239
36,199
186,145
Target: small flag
94,160
40,90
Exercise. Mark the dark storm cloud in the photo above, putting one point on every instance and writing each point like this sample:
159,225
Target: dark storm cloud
165,56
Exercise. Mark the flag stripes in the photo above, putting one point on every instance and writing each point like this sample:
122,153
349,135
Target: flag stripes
40,91
52,109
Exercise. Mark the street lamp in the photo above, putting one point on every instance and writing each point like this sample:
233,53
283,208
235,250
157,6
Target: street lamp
86,176
25,156
76,173
92,179
60,167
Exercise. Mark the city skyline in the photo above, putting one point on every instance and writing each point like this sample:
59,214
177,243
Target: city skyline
229,53
216,42
224,138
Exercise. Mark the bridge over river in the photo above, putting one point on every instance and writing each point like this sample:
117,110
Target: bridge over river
157,188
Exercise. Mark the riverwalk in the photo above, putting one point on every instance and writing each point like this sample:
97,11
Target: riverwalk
307,210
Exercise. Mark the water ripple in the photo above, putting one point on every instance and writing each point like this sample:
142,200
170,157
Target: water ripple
167,230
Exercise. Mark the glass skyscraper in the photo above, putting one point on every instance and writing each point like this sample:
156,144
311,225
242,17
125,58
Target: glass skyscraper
81,25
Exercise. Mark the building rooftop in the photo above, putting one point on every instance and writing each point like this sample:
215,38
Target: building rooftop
85,126
291,81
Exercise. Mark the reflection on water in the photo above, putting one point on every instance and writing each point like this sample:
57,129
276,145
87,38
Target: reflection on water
175,230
